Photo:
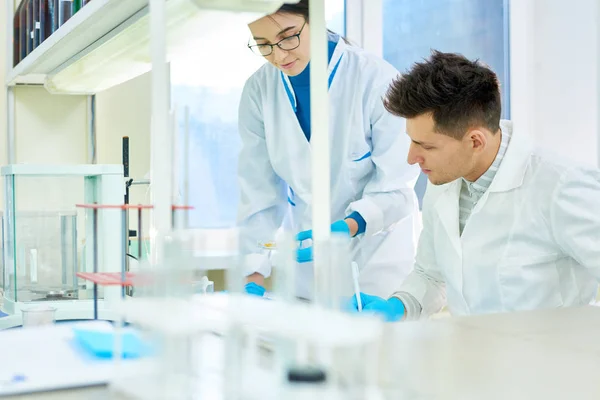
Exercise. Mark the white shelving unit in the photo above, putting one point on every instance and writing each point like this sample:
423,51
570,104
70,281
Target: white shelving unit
90,24
108,41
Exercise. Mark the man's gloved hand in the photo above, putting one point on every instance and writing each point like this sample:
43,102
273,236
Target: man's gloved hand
255,289
392,309
306,254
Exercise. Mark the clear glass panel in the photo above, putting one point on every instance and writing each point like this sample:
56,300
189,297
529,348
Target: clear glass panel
475,28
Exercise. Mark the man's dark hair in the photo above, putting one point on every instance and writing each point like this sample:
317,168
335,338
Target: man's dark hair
459,93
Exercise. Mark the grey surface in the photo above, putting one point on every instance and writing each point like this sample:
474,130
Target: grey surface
92,393
553,354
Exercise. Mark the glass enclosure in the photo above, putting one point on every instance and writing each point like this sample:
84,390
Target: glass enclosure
43,237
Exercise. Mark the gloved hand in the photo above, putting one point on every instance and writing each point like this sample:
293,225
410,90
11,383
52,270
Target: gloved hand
392,309
306,254
255,289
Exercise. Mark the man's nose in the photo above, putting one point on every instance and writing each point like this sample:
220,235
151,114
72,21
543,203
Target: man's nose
413,156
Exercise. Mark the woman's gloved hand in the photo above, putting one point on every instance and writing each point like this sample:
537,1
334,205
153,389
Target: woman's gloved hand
306,254
254,289
391,309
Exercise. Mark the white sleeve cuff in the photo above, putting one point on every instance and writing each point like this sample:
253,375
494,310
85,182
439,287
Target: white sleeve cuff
371,213
411,304
260,263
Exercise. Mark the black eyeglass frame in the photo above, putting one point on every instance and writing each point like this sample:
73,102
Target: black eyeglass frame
278,44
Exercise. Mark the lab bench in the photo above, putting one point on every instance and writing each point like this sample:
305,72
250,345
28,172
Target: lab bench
548,354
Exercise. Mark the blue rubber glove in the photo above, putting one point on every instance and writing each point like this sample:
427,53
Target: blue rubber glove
306,254
392,309
254,289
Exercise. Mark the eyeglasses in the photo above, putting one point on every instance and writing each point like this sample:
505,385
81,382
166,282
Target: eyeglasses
286,44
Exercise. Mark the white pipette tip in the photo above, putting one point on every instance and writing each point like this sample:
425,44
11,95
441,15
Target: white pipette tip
355,274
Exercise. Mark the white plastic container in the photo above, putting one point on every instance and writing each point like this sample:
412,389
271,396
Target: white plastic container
38,315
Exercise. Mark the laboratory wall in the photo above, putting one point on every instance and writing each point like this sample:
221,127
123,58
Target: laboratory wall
125,111
555,68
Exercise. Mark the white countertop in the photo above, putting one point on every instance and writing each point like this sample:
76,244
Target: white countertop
553,354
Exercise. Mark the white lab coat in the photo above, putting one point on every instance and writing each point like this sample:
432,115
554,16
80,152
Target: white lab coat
532,241
275,155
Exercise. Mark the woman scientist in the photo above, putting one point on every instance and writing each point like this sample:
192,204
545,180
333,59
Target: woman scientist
372,196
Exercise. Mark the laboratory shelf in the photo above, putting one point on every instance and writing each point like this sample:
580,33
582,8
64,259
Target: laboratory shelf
107,42
92,22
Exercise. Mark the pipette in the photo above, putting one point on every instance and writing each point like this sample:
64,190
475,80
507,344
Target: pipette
356,285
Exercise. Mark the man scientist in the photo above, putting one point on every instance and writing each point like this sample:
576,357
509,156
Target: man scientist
505,228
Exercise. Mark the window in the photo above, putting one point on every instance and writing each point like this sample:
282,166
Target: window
335,13
475,28
209,84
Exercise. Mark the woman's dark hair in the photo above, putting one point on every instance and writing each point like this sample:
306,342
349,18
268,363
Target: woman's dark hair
300,8
459,93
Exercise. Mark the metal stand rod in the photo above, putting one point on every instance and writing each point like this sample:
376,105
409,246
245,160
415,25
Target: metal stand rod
63,248
74,248
124,255
92,142
95,230
125,159
139,234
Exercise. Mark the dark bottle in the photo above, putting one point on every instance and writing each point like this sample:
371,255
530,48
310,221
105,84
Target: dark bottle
55,7
46,19
17,35
65,11
76,6
36,24
30,26
24,35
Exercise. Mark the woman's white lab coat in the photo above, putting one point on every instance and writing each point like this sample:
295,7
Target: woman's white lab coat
369,172
532,241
